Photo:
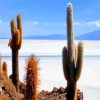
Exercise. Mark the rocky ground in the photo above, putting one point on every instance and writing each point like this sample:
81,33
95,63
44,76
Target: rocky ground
57,94
8,92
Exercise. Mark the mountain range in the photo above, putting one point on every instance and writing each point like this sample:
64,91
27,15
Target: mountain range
95,35
47,37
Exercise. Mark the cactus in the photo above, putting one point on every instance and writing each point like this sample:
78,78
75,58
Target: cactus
0,65
72,59
15,44
31,79
4,69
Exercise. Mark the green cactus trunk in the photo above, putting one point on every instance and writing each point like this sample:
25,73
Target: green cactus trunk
15,44
15,69
72,59
70,42
71,88
71,84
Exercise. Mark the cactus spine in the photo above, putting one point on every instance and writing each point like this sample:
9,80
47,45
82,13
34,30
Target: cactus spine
15,44
72,58
31,79
4,69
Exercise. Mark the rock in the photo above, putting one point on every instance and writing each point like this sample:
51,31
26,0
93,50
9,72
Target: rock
57,94
55,89
62,90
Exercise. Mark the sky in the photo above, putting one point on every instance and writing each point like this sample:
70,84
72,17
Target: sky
48,17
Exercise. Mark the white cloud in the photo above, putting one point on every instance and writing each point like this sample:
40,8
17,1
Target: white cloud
95,24
50,24
77,23
0,21
35,23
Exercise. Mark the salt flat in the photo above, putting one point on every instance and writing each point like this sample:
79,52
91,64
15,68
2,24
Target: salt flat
50,63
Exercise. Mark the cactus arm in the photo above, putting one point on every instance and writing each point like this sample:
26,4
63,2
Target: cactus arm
17,37
65,62
75,55
13,26
79,61
19,26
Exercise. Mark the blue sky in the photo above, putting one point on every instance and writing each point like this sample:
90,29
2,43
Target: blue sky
43,17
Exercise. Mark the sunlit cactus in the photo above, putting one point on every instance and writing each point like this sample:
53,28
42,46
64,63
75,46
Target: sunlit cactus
15,44
31,78
4,70
72,58
0,66
79,61
19,26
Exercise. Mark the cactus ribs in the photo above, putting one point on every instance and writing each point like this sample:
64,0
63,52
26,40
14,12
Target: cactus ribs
72,58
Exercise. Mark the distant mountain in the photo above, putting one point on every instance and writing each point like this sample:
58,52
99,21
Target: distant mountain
95,35
48,37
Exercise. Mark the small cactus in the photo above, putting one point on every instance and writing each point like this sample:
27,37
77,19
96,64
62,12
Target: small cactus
0,65
31,78
4,70
72,58
15,44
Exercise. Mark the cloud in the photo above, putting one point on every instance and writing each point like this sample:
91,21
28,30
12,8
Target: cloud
50,24
31,23
0,21
35,23
77,24
95,24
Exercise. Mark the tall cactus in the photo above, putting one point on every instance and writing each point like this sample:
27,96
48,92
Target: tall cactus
72,58
4,70
0,65
31,78
15,44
